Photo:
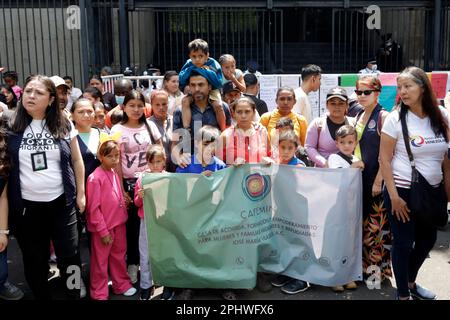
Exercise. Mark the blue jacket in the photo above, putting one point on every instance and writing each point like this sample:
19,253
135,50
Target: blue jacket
195,167
213,74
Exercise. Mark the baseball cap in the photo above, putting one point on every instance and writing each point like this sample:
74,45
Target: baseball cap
228,87
337,92
372,60
58,81
252,66
250,79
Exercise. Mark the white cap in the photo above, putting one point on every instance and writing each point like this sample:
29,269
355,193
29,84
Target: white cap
58,81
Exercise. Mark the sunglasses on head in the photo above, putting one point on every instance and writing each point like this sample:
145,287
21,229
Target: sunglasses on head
366,92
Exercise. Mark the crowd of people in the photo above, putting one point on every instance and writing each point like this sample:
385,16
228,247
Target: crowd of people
71,162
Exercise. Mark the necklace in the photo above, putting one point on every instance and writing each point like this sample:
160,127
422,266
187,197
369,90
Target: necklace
119,194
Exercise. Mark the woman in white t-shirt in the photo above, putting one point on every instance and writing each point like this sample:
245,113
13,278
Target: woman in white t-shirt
137,135
428,135
45,185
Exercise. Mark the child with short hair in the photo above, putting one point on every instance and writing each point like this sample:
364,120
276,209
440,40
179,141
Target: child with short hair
204,161
286,124
156,160
346,141
287,145
200,61
106,217
100,115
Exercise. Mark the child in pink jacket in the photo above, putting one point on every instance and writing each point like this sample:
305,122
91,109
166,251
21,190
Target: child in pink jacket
156,160
106,217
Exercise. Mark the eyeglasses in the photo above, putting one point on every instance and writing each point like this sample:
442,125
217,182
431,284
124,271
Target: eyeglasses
366,92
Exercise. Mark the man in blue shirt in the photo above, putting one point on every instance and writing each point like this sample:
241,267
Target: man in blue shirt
202,114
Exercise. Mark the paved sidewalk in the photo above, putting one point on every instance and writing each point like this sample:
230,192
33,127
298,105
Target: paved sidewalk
434,274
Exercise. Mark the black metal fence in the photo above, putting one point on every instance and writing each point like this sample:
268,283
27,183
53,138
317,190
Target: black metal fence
52,37
248,34
445,31
403,39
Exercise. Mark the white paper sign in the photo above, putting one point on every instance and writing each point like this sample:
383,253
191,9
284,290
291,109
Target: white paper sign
268,90
327,82
314,101
290,81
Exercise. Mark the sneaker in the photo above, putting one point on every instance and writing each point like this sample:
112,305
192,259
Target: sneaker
51,274
168,294
294,286
398,298
10,292
338,289
82,289
280,280
186,294
262,282
146,294
132,273
229,295
52,258
130,292
351,285
422,293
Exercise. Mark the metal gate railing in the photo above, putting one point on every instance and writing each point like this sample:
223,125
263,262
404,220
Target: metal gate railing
247,34
353,43
34,39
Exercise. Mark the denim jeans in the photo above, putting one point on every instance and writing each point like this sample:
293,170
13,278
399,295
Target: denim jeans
411,244
3,268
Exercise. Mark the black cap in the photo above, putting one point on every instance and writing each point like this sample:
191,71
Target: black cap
250,79
228,87
337,92
252,66
372,60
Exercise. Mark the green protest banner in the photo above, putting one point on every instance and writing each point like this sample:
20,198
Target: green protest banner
218,231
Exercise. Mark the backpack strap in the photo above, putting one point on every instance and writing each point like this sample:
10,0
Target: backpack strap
320,124
380,120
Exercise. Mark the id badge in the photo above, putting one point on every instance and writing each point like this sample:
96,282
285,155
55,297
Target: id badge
39,161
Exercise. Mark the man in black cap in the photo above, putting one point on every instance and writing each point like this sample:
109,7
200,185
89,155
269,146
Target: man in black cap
371,67
252,67
230,92
252,90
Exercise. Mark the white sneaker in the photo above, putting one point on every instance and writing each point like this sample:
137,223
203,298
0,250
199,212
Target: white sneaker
82,290
132,272
130,292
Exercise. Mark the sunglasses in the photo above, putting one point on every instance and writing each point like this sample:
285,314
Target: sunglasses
366,92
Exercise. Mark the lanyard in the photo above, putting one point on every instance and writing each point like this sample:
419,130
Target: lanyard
36,137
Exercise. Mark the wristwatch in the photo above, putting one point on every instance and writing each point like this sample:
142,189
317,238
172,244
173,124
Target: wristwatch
2,231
